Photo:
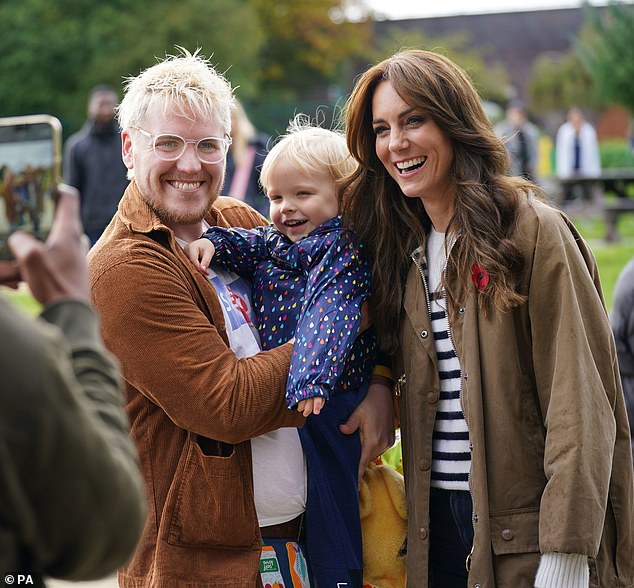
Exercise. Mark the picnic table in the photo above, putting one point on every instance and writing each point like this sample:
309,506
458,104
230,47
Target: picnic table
618,182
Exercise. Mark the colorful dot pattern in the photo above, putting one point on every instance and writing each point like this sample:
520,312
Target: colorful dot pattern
311,290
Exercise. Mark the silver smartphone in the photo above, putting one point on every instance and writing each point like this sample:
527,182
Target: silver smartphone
30,169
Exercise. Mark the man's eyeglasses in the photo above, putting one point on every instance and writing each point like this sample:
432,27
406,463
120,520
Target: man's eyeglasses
171,147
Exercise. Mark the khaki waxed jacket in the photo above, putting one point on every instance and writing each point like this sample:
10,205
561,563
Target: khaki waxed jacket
551,467
193,404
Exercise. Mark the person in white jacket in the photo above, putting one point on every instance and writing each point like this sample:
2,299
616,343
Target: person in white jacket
577,153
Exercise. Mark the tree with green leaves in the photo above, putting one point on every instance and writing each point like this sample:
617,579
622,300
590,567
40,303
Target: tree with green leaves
276,52
305,47
308,52
490,79
560,81
55,51
605,48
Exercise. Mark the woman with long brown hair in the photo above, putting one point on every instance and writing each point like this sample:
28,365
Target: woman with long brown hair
516,450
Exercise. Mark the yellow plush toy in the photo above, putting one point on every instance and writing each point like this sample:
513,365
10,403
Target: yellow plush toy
383,509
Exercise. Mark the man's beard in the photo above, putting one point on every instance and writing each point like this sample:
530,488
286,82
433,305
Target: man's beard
171,218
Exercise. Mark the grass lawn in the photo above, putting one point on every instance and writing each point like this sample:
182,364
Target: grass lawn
611,258
22,299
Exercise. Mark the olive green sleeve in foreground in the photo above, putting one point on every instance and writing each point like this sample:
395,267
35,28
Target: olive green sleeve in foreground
71,498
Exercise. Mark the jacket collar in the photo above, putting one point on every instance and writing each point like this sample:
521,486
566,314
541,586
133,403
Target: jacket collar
135,212
420,253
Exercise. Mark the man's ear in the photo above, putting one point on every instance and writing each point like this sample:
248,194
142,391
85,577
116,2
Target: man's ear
126,149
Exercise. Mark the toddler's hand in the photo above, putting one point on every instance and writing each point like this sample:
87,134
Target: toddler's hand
311,405
200,253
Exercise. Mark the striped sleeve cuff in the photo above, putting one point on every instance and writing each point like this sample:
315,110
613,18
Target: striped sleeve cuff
563,570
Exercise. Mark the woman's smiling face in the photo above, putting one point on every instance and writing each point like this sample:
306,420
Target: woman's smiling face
411,146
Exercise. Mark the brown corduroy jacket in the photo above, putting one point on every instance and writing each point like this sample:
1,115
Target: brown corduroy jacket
193,405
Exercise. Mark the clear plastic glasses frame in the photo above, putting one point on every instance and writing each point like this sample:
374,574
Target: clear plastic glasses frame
169,147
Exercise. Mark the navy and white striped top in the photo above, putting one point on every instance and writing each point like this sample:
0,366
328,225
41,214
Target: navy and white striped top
451,457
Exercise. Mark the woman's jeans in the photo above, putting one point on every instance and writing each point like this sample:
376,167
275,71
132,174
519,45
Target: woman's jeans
451,537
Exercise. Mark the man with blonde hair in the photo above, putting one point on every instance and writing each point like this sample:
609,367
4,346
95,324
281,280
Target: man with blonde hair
206,405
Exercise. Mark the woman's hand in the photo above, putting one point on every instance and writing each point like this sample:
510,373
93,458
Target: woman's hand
374,418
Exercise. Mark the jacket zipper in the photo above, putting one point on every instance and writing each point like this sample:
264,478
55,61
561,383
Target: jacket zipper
468,560
422,275
453,343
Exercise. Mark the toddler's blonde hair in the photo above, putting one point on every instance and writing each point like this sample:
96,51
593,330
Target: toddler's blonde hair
313,149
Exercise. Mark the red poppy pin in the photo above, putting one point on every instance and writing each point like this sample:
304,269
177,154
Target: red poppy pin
479,276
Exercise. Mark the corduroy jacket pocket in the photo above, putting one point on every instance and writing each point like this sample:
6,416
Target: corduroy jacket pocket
211,502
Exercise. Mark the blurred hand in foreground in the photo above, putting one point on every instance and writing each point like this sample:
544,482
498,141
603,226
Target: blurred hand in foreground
54,270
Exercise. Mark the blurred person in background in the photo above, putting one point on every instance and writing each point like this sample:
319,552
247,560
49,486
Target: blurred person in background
622,319
521,139
93,164
244,161
577,154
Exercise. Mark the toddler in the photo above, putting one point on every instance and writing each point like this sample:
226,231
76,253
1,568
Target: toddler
309,281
